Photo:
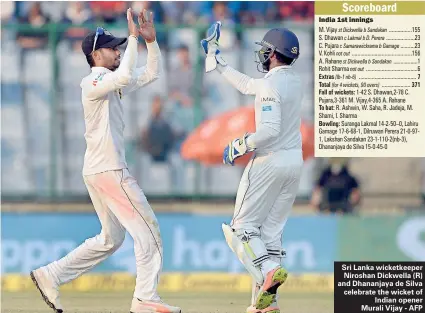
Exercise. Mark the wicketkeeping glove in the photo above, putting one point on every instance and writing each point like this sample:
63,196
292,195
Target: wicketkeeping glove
235,149
210,46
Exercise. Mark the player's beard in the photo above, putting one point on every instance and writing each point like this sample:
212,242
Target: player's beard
115,65
266,65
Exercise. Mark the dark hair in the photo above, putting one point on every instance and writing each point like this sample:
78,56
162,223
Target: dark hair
90,60
183,47
283,59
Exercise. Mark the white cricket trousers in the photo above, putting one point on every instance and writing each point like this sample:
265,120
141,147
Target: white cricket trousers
266,193
120,205
265,197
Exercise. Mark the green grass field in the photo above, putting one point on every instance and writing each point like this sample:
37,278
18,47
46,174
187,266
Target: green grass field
119,302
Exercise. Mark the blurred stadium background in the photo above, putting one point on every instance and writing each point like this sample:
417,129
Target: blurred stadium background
46,211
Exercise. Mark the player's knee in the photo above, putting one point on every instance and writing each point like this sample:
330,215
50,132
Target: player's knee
113,242
118,240
245,232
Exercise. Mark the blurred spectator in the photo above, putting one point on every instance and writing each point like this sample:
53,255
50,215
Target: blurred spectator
256,12
7,11
222,13
337,191
219,12
174,12
34,39
157,139
7,16
181,87
77,14
296,10
108,11
209,10
181,12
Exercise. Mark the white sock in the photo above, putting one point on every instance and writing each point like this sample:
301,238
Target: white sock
50,275
267,266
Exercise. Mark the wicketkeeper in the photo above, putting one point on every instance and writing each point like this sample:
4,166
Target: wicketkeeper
270,181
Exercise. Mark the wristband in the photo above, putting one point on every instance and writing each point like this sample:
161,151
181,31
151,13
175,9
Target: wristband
137,38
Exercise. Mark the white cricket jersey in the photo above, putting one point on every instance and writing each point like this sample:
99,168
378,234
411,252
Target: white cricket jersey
102,93
278,98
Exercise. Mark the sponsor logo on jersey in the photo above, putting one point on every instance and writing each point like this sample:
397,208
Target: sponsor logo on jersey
267,108
268,99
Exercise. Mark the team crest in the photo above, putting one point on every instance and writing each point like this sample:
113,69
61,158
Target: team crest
294,50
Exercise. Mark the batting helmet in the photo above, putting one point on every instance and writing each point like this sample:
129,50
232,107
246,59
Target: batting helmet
280,40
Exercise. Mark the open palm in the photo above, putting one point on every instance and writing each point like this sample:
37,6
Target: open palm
146,26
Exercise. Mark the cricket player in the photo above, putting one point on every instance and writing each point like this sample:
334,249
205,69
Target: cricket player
117,198
270,181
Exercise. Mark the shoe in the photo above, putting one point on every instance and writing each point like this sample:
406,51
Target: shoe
141,306
267,294
270,309
49,291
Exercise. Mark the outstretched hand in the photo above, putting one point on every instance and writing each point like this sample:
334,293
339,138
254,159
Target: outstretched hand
146,26
211,49
132,28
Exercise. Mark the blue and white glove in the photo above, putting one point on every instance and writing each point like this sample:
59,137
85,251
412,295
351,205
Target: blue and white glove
235,149
210,46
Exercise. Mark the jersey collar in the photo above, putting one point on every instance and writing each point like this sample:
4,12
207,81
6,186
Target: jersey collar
276,69
99,69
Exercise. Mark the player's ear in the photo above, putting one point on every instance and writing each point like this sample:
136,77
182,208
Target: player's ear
96,55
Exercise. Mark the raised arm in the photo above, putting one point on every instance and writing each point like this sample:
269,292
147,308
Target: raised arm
243,83
151,71
214,60
107,82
